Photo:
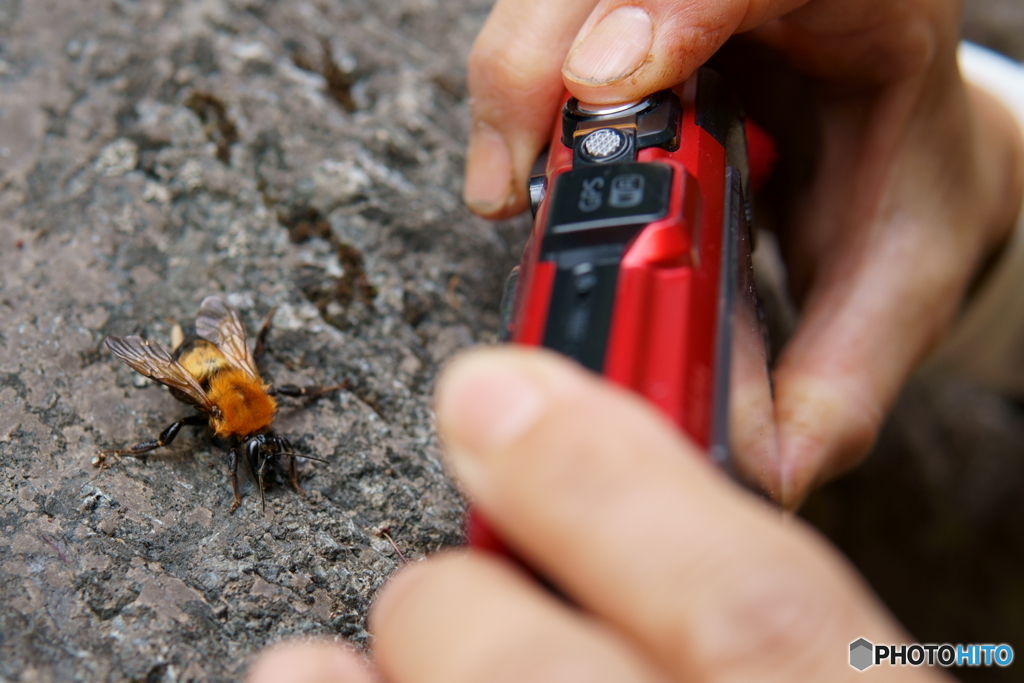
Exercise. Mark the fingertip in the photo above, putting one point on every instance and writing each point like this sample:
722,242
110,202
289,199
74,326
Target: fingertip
627,50
393,595
827,424
309,662
418,611
489,189
487,399
798,469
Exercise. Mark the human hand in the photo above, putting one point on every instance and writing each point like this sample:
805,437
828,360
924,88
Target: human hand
676,574
917,177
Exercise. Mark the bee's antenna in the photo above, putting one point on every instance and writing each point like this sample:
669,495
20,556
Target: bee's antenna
263,496
307,457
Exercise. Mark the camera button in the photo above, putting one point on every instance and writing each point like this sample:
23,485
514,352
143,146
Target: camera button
603,143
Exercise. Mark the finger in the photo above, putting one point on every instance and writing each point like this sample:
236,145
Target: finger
880,43
627,50
606,499
471,617
515,88
309,662
888,283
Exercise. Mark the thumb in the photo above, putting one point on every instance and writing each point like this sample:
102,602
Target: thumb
629,49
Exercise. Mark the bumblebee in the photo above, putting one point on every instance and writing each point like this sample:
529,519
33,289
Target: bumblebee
217,375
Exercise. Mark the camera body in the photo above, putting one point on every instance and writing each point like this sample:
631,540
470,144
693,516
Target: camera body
638,264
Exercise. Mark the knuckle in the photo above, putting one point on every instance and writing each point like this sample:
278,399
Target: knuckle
780,618
504,70
697,33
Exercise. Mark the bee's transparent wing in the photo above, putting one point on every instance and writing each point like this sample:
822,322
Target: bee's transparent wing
152,360
219,323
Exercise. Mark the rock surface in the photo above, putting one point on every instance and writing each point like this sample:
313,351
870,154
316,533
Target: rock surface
306,156
303,155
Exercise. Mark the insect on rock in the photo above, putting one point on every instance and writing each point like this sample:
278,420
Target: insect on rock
216,374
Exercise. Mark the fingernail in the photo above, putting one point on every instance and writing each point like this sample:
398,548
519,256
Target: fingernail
484,403
613,49
488,185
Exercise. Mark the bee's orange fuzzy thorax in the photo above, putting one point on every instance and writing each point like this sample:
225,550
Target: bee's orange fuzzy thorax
245,406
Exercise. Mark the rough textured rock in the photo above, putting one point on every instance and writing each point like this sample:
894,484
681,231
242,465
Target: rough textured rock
300,155
304,155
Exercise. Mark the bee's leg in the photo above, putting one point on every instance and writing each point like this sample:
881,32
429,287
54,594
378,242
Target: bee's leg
293,475
261,336
262,487
166,438
233,472
255,461
307,392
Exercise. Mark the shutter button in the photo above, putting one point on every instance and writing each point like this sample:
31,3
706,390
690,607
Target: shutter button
603,144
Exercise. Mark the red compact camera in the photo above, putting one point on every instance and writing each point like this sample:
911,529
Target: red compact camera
639,264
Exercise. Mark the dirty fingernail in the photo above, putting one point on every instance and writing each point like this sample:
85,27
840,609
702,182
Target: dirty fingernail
612,49
484,403
488,184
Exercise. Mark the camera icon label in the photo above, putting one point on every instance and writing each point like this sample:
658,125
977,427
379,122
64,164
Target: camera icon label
590,195
627,191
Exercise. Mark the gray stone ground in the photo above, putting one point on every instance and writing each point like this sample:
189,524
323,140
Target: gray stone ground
300,155
304,155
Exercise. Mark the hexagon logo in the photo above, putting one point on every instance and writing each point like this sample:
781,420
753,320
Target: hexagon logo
862,654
